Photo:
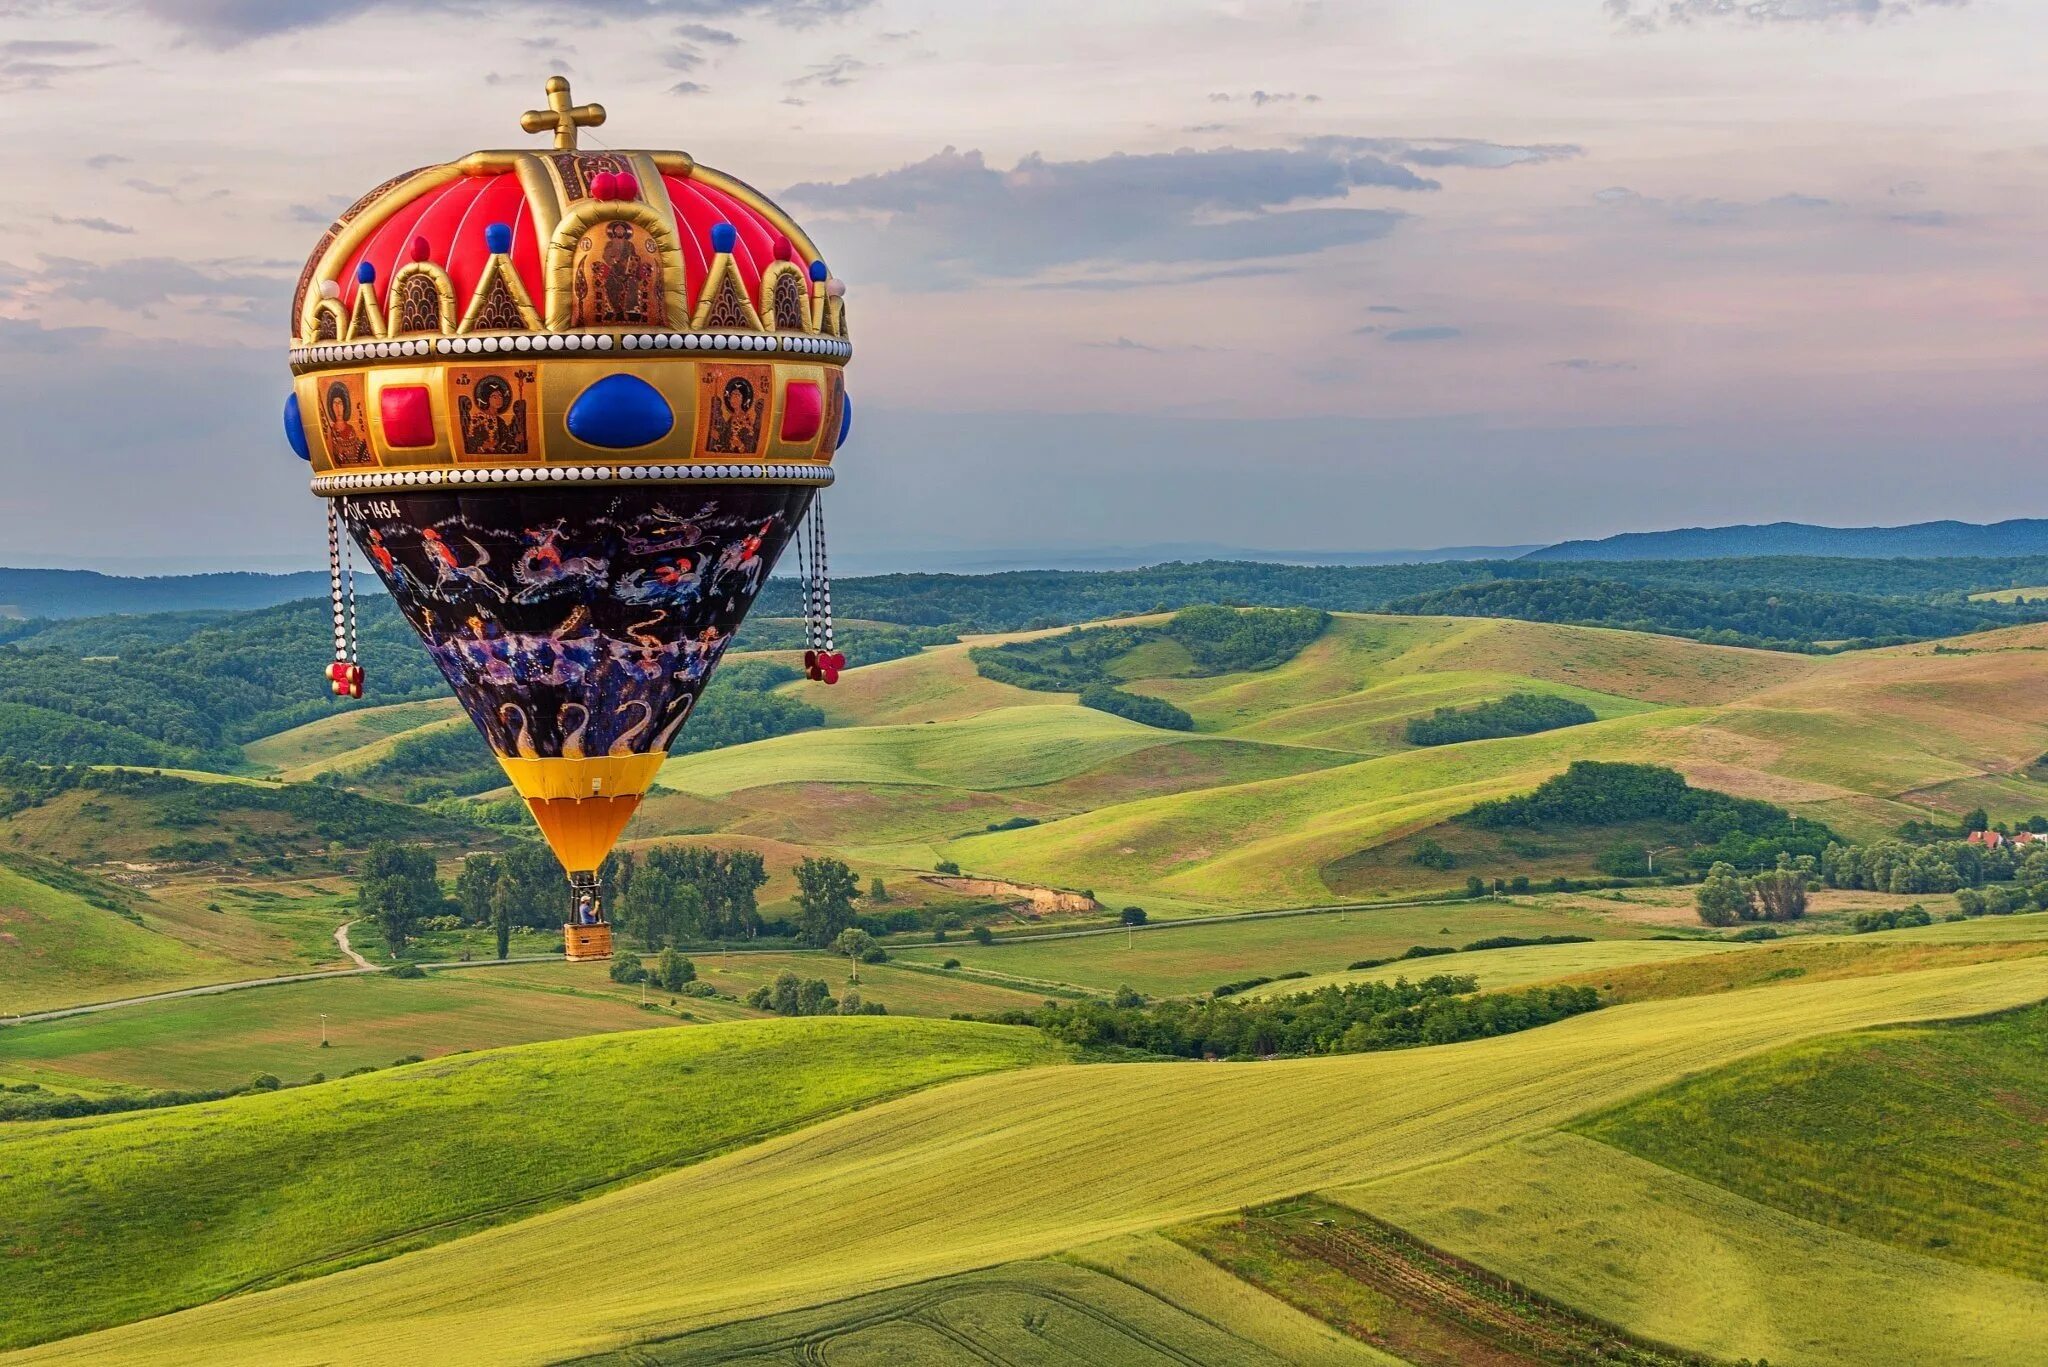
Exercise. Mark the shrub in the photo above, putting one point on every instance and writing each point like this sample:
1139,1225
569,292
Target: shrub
1136,707
946,866
1133,916
982,935
406,971
1431,855
1518,714
950,963
1891,918
626,967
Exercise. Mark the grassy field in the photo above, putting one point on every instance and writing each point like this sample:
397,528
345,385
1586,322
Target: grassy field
905,991
1515,967
346,740
115,1218
1685,1262
1173,960
1928,1138
1012,1167
224,1039
1814,960
1041,1311
56,948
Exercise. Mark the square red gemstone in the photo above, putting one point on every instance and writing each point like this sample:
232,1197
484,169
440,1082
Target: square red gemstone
803,409
408,415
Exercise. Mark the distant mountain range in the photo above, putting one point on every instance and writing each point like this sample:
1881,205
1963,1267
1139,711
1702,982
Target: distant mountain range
88,593
1003,559
1917,541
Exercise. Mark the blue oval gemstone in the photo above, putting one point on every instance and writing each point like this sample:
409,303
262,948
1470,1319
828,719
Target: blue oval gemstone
845,420
620,411
295,428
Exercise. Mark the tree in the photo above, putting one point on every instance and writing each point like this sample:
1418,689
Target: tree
877,893
398,890
849,1002
1134,916
824,896
1624,859
1780,894
502,895
672,970
1978,820
473,887
626,967
855,944
1723,899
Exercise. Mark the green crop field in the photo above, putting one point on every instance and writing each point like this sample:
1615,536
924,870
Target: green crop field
1172,960
1928,1138
56,948
119,1217
346,740
904,991
1015,1166
1679,1260
1514,967
1036,1311
224,1039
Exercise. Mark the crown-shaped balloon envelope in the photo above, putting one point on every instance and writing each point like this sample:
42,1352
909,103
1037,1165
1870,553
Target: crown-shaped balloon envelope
571,405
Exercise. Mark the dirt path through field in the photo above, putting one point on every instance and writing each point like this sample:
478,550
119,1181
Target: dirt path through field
341,938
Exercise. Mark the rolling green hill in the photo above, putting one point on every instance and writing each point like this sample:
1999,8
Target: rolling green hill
1023,1164
192,1203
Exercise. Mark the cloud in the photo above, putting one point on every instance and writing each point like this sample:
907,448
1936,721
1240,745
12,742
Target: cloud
27,337
149,187
705,33
1587,366
34,63
1922,218
1441,152
955,214
1384,308
1428,334
1146,348
1262,98
1647,15
321,213
1154,277
92,223
841,70
1711,212
146,282
227,23
689,88
103,160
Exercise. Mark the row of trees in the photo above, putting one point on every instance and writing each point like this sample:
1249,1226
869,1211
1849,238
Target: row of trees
1330,1020
1941,866
660,899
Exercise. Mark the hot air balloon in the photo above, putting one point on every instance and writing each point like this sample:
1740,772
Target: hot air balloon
571,406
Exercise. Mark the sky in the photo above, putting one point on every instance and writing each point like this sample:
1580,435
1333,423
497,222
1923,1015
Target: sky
1295,275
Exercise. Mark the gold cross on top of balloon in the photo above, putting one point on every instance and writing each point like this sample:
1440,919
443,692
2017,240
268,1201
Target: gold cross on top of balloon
561,116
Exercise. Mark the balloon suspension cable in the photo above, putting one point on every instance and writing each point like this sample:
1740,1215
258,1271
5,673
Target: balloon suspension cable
803,576
348,575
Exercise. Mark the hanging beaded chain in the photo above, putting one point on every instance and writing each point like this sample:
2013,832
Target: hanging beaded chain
822,661
345,675
824,574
